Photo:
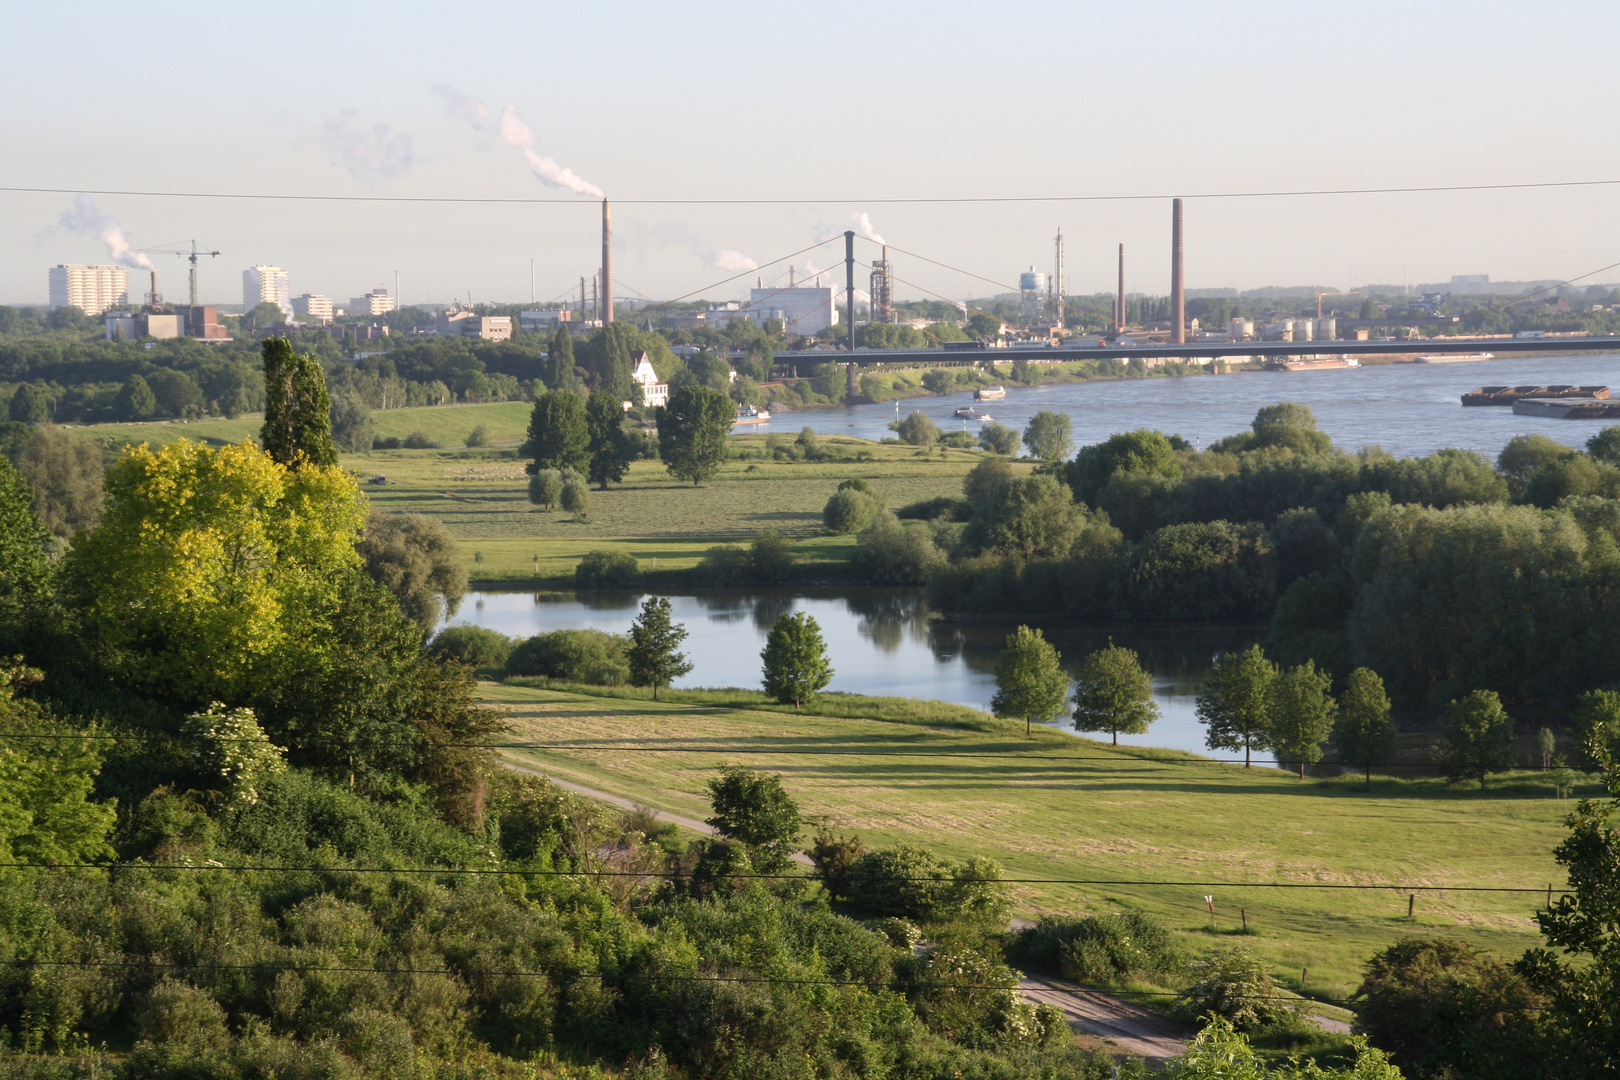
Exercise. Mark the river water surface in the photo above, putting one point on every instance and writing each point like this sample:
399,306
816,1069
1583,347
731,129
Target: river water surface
1408,409
880,641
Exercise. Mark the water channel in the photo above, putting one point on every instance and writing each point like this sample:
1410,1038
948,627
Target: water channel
881,641
1408,409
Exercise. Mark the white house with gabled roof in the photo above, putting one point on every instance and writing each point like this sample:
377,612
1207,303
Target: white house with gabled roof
653,392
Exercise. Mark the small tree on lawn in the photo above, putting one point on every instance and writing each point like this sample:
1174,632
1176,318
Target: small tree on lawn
692,432
654,640
1477,738
1030,681
1235,707
753,809
795,656
1364,735
1301,714
1112,693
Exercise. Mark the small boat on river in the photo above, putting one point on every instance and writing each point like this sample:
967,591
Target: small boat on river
968,412
751,415
990,393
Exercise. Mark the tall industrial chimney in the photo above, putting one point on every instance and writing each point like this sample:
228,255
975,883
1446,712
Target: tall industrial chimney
1178,288
1119,309
607,261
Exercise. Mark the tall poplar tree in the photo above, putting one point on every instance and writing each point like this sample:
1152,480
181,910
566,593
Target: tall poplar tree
297,409
558,438
1364,735
607,445
558,374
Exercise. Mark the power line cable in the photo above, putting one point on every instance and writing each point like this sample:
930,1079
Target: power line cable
605,976
503,872
840,201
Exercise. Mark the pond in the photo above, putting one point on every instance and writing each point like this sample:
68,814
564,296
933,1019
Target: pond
880,641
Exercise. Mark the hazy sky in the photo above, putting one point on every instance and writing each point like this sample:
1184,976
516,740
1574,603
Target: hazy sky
859,101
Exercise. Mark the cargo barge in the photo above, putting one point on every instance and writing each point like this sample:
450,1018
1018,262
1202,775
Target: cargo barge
1507,395
1452,358
1568,408
1312,363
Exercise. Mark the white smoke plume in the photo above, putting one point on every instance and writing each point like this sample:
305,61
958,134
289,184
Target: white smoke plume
861,223
85,218
512,131
459,105
370,154
717,258
516,133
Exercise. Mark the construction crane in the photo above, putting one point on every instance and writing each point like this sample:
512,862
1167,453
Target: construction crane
1318,299
193,254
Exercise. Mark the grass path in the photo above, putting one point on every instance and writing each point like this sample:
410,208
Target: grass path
1075,808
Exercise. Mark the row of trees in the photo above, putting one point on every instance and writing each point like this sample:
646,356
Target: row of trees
592,438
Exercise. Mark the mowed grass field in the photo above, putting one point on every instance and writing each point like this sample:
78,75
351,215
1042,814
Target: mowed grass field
481,496
506,422
1075,808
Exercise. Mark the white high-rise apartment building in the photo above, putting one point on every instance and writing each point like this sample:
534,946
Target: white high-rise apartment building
375,302
266,285
313,306
91,289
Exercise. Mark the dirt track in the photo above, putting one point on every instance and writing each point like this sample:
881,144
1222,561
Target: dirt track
1126,1028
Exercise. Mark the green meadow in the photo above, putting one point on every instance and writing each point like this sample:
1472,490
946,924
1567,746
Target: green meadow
1055,806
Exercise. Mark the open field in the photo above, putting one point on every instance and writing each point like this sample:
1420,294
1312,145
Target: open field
448,425
481,496
1076,808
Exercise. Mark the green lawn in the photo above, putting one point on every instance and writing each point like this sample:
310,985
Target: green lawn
1125,814
506,421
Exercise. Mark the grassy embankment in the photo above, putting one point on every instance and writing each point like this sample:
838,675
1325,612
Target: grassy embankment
1078,808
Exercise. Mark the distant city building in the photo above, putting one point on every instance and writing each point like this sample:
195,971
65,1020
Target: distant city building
653,392
202,322
266,285
91,289
1470,284
541,321
803,309
313,306
374,303
463,323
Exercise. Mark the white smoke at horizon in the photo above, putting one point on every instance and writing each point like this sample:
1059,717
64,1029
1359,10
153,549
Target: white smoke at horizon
714,257
514,132
861,223
371,155
518,134
86,218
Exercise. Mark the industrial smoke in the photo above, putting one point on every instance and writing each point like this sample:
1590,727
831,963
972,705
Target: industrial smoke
860,223
713,257
86,218
514,132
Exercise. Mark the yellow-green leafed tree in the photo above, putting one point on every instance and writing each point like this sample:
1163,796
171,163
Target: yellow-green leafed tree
207,564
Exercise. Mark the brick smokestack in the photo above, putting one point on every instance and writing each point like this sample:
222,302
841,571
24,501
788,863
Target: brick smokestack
1178,287
607,260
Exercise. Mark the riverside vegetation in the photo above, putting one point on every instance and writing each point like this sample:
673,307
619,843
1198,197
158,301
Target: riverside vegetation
253,828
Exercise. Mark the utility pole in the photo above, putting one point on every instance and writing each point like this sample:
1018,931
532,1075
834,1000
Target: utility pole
607,264
531,282
849,283
397,304
1057,281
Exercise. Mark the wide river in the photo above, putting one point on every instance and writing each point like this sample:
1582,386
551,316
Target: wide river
1408,409
880,641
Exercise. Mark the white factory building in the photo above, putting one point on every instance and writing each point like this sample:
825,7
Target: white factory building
266,285
91,289
803,309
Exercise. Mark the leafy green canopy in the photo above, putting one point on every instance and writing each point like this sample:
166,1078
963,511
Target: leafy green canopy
655,657
1477,738
754,809
1030,681
692,432
1112,693
1364,735
795,656
1235,707
46,783
297,408
209,566
558,436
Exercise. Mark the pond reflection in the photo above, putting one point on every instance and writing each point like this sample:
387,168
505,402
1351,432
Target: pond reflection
880,641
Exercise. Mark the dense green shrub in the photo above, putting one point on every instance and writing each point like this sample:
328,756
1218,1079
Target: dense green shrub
889,553
417,440
588,656
850,510
939,508
909,882
602,569
475,646
1098,948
